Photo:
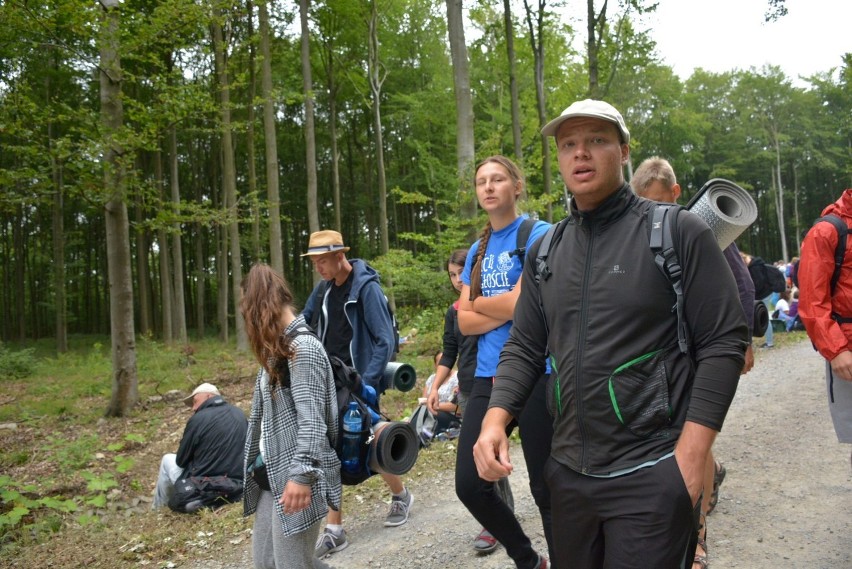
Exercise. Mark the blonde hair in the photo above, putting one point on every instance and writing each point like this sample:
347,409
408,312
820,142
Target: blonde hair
650,170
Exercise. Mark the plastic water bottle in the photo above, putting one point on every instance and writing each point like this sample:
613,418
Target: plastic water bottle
352,438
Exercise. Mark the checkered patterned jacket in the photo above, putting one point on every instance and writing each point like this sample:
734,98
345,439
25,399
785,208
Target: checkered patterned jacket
297,424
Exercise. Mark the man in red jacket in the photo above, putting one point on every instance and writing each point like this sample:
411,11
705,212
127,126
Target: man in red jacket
827,313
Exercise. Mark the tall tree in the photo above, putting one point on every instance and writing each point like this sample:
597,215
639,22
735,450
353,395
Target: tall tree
464,104
513,81
270,142
229,176
377,75
310,134
536,35
179,320
122,334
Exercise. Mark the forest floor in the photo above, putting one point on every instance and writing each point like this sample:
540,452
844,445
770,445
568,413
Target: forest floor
786,501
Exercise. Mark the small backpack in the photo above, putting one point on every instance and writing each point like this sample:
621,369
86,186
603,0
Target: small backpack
196,492
767,278
347,383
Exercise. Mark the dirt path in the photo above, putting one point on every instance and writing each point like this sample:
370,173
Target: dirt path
786,501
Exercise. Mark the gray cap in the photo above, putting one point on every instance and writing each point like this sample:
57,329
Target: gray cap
589,108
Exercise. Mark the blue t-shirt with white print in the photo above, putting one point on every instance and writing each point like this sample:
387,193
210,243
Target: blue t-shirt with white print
500,272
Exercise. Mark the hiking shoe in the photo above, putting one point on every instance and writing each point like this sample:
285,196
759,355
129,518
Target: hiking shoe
543,563
329,543
399,510
485,542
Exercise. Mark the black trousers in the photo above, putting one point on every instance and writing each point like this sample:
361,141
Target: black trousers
639,520
480,497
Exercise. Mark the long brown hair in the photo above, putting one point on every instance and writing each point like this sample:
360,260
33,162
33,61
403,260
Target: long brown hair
476,268
265,299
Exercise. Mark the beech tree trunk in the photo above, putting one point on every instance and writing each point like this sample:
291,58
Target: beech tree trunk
310,136
464,104
229,179
276,256
122,335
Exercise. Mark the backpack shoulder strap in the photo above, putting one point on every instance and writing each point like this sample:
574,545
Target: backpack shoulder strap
840,250
522,237
542,270
662,221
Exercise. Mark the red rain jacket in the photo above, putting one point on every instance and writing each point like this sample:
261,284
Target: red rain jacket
815,270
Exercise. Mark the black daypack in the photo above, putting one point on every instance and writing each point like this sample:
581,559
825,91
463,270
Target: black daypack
347,383
196,492
662,221
767,278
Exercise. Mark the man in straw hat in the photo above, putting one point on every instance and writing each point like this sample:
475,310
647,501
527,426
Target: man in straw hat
348,311
212,443
634,415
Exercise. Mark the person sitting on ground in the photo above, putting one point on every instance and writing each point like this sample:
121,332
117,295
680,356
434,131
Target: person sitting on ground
447,391
794,322
212,443
446,414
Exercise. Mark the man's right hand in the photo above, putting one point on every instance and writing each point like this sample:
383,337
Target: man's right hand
491,451
841,365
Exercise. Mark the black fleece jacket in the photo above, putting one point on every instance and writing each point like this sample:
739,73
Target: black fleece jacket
213,441
622,389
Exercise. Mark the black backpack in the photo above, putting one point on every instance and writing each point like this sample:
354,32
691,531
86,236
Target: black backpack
767,278
196,492
662,220
347,382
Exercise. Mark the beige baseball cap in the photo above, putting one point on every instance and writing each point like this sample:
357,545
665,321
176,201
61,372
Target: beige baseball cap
203,388
591,108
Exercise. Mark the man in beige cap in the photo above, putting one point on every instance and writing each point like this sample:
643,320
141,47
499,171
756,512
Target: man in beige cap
212,443
634,416
348,310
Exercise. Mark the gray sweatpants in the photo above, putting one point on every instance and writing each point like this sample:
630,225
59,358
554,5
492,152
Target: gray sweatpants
272,550
840,404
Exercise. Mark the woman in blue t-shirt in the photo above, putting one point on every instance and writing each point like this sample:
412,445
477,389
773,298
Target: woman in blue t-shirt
491,283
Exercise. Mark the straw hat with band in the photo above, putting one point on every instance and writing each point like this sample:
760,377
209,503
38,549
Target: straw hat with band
326,241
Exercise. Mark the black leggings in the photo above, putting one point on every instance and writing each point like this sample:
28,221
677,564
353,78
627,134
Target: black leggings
480,497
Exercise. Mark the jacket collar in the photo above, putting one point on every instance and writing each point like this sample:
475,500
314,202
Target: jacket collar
611,209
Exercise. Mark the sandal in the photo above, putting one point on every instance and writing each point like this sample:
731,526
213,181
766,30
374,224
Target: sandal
485,542
701,559
718,477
